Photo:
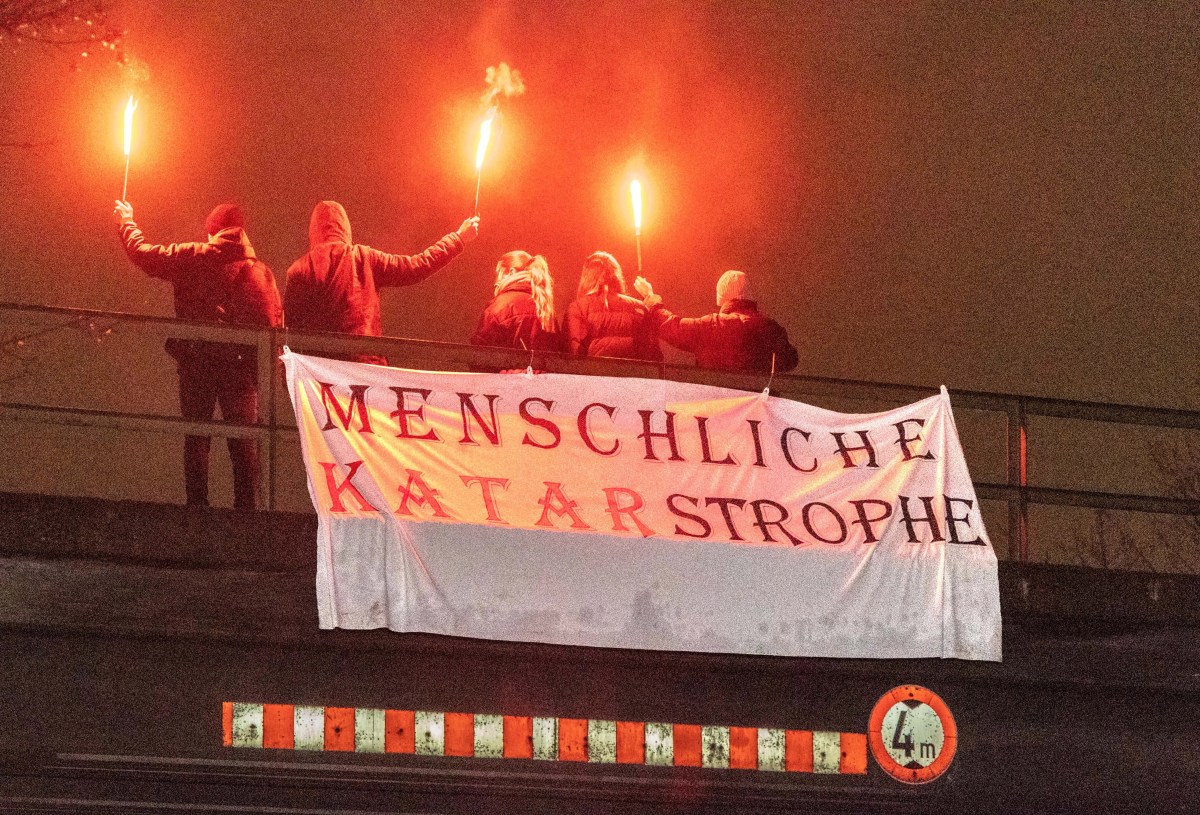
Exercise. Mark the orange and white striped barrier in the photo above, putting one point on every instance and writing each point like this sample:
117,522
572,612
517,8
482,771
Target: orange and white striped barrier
544,738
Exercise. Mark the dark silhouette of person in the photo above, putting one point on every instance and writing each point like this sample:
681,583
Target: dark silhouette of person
218,280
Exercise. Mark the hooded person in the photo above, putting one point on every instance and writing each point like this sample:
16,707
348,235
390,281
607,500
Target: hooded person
335,286
603,321
219,280
736,338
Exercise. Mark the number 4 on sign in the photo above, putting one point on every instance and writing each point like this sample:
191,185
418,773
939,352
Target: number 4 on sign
907,744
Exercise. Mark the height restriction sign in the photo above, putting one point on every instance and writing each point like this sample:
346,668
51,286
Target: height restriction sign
912,734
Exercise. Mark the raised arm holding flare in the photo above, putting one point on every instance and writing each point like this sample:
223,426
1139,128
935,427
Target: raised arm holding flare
218,280
335,286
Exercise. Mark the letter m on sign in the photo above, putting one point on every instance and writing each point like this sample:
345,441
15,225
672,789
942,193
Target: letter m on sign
358,402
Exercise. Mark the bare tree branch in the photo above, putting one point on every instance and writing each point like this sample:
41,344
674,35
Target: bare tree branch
61,24
1179,469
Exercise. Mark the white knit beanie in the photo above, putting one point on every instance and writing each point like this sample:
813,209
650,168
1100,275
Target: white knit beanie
733,285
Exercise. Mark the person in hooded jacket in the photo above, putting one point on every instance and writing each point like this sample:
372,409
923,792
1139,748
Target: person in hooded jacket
521,314
335,286
603,321
737,337
219,280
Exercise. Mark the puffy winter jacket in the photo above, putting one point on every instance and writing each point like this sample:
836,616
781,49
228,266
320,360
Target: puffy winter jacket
511,321
736,338
335,287
602,324
219,281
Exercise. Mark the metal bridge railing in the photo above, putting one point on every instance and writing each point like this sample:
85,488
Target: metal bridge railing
45,379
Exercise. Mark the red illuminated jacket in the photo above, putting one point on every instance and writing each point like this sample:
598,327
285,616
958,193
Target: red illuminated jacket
736,338
511,321
603,324
217,281
335,287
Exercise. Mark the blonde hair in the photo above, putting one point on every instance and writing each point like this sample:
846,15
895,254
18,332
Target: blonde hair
520,264
601,273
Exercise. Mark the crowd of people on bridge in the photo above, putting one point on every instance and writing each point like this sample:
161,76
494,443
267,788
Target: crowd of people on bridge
335,287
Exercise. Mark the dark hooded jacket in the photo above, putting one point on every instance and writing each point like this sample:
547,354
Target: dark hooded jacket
606,324
736,338
511,321
218,281
335,287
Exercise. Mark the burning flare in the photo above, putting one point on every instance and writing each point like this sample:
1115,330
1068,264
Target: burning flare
485,135
501,81
130,107
635,193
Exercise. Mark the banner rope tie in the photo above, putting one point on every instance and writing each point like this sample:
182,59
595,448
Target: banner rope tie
529,367
767,390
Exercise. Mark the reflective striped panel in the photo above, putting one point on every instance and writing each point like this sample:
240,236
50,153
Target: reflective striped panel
489,736
309,727
714,747
247,725
602,741
545,738
369,730
660,744
430,733
827,752
542,738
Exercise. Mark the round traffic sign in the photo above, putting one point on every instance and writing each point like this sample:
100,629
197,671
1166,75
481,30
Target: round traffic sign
912,734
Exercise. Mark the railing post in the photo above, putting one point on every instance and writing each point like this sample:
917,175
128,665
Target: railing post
272,417
262,372
1018,477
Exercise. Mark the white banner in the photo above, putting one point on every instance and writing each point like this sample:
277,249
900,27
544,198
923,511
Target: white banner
638,513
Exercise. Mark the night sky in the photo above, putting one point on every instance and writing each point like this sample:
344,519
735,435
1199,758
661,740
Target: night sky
996,199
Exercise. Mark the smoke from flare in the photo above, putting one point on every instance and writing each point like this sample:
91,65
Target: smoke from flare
134,71
502,80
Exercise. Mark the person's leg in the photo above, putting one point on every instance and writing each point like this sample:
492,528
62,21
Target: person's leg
239,403
197,400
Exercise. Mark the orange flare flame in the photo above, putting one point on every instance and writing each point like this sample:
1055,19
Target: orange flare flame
130,107
635,192
485,135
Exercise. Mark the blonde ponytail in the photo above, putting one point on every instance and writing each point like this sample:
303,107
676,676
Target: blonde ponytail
543,292
520,263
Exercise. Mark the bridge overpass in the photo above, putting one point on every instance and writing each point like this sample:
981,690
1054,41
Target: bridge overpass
163,658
